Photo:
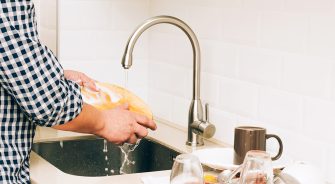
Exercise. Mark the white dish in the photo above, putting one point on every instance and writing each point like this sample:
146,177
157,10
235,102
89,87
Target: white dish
222,158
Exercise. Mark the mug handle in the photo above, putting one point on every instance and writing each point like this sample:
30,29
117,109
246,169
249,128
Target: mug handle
280,145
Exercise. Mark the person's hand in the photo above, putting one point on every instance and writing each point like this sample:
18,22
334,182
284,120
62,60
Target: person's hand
81,79
120,125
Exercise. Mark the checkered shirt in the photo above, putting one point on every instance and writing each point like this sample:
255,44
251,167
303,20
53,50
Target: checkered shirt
33,90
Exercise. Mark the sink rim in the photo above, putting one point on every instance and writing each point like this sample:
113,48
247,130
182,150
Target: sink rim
92,137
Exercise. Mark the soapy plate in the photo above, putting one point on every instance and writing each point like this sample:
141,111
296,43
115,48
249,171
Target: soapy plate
222,159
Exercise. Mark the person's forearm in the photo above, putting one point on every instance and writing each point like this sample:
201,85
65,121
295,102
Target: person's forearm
86,122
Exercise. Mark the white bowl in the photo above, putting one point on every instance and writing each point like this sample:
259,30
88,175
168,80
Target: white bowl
222,158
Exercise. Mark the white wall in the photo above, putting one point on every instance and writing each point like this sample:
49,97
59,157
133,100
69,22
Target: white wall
266,63
93,35
46,12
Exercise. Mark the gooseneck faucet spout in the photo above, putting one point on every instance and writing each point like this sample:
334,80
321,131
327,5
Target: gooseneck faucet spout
197,125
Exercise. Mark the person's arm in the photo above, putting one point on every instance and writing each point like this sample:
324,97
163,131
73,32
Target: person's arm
31,74
117,125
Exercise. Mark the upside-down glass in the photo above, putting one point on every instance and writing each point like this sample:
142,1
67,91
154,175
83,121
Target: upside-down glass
186,170
256,169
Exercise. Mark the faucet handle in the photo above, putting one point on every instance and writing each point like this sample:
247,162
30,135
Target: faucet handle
204,127
207,129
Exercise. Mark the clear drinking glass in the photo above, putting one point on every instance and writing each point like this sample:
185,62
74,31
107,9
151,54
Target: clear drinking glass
256,169
186,170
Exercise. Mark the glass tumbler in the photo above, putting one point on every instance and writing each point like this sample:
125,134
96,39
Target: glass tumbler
186,170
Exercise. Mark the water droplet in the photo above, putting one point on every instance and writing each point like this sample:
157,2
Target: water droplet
105,149
126,149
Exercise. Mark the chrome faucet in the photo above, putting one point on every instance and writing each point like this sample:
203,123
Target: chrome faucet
198,125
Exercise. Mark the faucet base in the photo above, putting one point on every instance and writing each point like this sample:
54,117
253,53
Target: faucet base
196,141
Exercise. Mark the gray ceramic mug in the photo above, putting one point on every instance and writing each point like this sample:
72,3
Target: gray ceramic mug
252,138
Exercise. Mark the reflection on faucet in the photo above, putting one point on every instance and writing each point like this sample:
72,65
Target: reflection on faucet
197,124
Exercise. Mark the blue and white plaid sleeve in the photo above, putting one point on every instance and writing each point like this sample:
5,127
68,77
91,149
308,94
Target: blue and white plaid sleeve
31,74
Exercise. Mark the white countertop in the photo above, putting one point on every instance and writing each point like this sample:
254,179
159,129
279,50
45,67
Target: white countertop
43,172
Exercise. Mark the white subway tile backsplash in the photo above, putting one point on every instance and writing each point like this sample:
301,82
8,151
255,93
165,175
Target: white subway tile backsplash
333,83
219,58
173,8
160,47
180,109
109,71
280,108
169,7
319,118
170,78
137,75
321,38
233,4
97,45
239,97
247,121
160,103
307,75
182,52
304,148
210,89
206,21
122,19
331,166
240,26
283,31
255,5
224,123
141,92
86,14
260,66
263,5
48,18
102,14
46,15
310,6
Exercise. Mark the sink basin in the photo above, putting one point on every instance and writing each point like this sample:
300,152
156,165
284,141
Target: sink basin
90,157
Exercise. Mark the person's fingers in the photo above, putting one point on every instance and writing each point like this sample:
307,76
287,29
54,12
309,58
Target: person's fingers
144,121
88,82
132,139
91,85
140,131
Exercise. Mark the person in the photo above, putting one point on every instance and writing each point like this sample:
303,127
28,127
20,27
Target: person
36,91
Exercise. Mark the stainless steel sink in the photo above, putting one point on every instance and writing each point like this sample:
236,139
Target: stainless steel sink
86,157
